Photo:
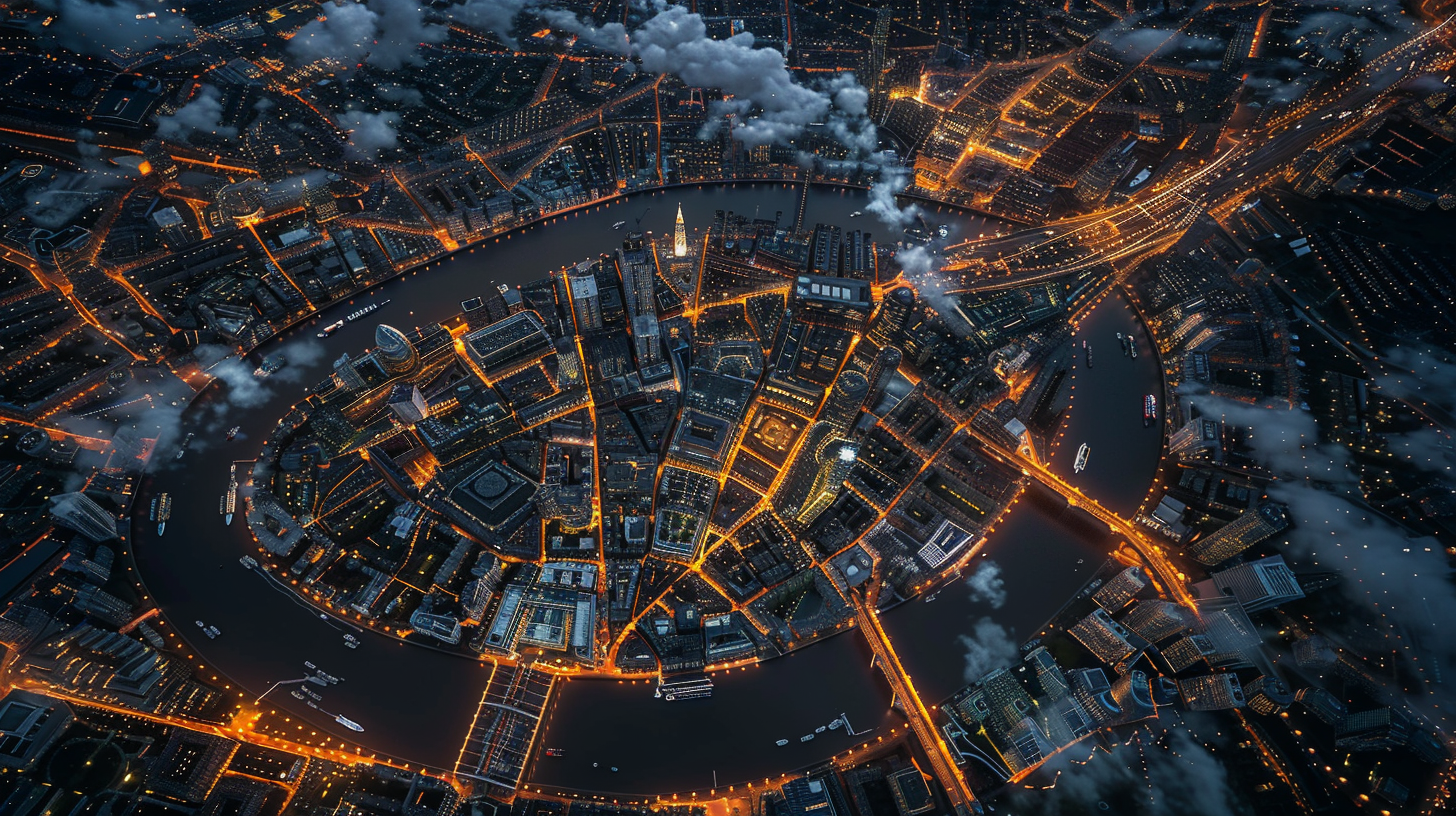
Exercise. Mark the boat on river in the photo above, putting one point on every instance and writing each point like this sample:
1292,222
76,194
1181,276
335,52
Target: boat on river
781,743
1082,454
331,328
348,723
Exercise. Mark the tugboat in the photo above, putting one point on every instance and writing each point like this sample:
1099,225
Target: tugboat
233,431
1150,410
270,366
1081,463
348,723
331,328
161,511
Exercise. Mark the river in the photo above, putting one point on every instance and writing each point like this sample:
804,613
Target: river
416,703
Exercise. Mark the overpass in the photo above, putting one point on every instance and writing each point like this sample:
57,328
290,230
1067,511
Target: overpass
961,798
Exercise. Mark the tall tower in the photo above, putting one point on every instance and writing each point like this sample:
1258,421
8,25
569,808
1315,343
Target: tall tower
680,236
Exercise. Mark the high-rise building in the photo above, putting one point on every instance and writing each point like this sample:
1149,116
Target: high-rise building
1156,620
848,394
1267,695
835,463
1120,589
393,350
647,340
586,302
76,511
1252,527
894,313
1211,692
680,236
346,375
1257,585
407,403
318,200
824,250
858,257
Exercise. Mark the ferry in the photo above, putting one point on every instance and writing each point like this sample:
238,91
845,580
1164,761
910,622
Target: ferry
183,447
619,225
233,431
781,743
555,752
331,328
1150,410
366,310
348,723
685,688
271,365
162,510
230,499
248,561
1081,463
327,678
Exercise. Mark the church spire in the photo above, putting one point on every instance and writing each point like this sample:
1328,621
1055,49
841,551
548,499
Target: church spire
680,236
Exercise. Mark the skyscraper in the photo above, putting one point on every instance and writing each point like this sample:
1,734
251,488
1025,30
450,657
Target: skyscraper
1253,526
393,350
680,236
835,463
408,404
76,511
586,302
1258,585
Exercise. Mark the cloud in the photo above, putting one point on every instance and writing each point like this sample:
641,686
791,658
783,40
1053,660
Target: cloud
369,133
120,26
1158,775
342,32
203,114
1425,375
1142,43
988,647
1402,576
400,95
609,37
987,586
382,33
496,16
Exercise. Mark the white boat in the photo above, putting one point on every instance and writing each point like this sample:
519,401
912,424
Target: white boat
806,738
781,743
212,631
331,328
1081,463
821,729
248,561
366,310
348,723
856,214
309,665
836,724
619,225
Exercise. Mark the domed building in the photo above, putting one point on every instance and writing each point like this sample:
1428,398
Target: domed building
394,351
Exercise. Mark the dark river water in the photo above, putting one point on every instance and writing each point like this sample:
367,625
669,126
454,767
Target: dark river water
416,704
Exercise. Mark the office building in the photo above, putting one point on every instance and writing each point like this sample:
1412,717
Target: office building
586,301
408,404
1254,526
1211,692
1156,620
1267,695
1257,585
394,351
1120,589
76,511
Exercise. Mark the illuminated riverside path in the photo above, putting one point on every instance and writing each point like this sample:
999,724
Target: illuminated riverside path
921,722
